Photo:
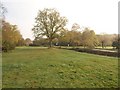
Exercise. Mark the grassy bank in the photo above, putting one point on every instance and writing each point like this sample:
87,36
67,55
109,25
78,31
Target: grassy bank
58,68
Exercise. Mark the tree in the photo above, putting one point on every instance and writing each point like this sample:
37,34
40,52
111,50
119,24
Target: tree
116,42
40,41
106,39
75,27
70,37
89,39
49,23
28,41
10,36
21,42
73,37
3,10
62,39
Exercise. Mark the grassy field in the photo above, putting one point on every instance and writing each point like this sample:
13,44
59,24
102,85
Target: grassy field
57,68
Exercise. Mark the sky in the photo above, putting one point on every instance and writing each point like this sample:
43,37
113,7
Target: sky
99,15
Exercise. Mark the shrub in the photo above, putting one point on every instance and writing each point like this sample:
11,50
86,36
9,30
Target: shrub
116,44
98,52
7,45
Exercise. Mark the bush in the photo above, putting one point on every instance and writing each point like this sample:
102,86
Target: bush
7,45
98,52
116,44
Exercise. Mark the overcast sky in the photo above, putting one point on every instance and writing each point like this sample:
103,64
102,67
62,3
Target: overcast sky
99,15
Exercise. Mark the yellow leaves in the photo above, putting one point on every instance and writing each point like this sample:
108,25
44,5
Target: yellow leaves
10,32
89,38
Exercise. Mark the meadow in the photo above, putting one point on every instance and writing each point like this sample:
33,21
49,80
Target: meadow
37,67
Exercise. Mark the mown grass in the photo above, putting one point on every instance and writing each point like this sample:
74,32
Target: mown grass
57,68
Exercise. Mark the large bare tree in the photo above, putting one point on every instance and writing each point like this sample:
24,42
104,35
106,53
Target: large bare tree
48,23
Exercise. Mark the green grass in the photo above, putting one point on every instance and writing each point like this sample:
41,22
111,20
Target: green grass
57,68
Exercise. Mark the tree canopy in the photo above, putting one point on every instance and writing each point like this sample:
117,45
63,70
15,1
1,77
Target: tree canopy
10,36
89,39
49,23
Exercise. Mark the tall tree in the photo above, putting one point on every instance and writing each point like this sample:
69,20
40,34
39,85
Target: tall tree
106,39
49,23
75,34
10,36
3,10
73,37
62,39
89,39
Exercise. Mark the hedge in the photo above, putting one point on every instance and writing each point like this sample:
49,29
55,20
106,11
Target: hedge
98,52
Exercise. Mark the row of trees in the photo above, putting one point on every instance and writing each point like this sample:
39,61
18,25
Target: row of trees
50,29
86,38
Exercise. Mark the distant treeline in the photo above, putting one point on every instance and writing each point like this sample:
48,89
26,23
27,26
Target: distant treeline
50,31
87,39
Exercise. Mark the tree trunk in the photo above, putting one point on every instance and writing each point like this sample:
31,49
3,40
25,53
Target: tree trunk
50,43
102,45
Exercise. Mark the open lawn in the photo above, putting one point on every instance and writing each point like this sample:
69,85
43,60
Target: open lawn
57,68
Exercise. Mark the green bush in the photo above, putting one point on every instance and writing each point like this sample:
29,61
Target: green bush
7,45
116,44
